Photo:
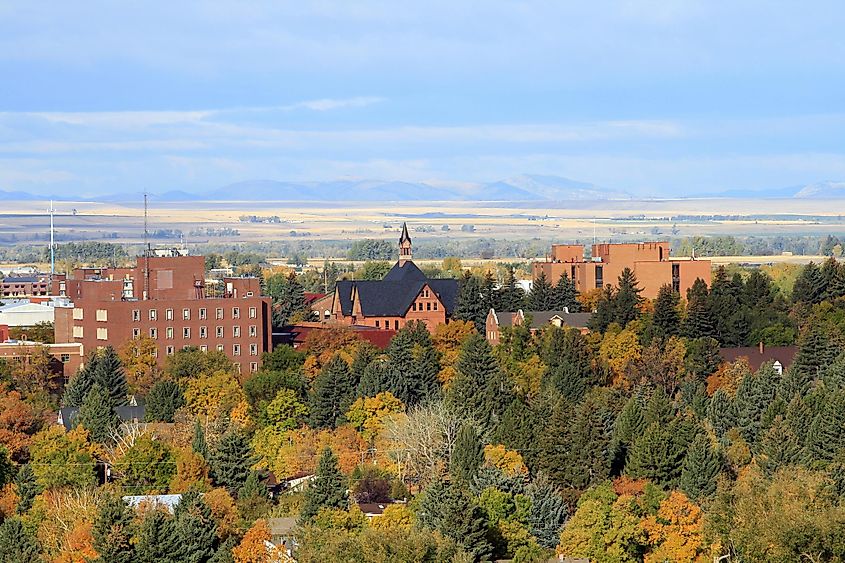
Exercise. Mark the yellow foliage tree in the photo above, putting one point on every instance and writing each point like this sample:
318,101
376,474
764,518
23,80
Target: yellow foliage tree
223,509
618,350
140,364
191,471
213,395
675,532
447,339
395,517
368,414
507,461
252,548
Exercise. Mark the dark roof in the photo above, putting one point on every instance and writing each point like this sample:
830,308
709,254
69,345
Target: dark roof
392,296
21,280
375,508
542,318
784,354
404,236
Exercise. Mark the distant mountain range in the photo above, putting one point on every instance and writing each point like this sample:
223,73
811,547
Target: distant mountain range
528,187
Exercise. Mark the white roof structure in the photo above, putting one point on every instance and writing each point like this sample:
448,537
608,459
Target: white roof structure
22,312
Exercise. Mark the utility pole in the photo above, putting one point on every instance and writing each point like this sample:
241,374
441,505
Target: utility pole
146,252
52,244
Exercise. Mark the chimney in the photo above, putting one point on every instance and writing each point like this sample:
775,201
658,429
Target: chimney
762,347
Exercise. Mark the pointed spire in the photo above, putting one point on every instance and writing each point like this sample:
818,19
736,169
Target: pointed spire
404,245
405,236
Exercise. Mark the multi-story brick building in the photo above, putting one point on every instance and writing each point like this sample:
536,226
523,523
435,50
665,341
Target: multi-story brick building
650,261
34,285
164,299
405,294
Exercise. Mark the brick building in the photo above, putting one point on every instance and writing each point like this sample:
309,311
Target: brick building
539,319
35,285
66,358
164,298
650,261
405,294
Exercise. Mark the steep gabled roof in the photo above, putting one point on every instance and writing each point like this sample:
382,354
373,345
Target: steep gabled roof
393,297
405,271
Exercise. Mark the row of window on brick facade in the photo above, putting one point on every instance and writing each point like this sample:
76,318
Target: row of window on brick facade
427,308
236,349
202,314
203,332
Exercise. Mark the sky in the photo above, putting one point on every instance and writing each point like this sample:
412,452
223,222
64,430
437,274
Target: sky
656,97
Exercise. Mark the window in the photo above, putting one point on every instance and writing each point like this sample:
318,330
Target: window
154,333
676,278
168,314
203,314
428,306
599,276
102,334
102,315
396,324
253,331
136,333
170,350
169,332
236,312
238,367
219,332
65,358
219,347
136,315
78,332
186,332
435,305
155,352
153,314
203,332
236,332
572,272
253,313
253,366
204,348
78,314
236,349
414,306
219,313
186,314
253,349
378,323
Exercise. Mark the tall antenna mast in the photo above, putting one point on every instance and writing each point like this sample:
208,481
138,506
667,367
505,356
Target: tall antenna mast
146,251
52,244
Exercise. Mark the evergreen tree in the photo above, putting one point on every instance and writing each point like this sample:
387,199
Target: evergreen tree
516,430
721,412
471,304
110,375
753,396
799,417
656,456
156,539
548,512
658,409
198,443
195,530
17,545
231,461
628,300
113,530
605,312
163,400
253,487
413,365
327,490
809,286
667,319
376,378
489,294
81,382
700,469
511,297
452,511
779,447
476,393
629,426
365,353
565,295
331,394
825,438
833,279
541,297
97,414
817,347
699,322
567,356
27,488
467,454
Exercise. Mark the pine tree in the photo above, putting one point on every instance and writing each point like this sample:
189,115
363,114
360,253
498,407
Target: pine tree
628,300
753,396
667,319
253,487
825,438
548,512
565,295
471,305
817,348
231,461
327,490
516,430
198,443
97,414
81,382
629,426
195,530
428,368
474,392
511,297
451,510
17,545
699,322
156,539
376,378
658,409
163,400
605,312
833,279
113,529
700,469
27,488
779,447
110,375
656,456
541,297
568,358
809,286
489,295
467,454
365,353
331,394
721,412
413,366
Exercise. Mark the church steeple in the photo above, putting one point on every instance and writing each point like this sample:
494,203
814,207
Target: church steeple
404,245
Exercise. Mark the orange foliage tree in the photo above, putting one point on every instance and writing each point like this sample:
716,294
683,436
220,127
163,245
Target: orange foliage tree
18,422
252,548
675,532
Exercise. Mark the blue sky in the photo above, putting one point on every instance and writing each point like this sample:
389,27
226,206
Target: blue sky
654,97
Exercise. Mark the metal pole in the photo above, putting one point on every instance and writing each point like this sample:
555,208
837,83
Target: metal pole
52,244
